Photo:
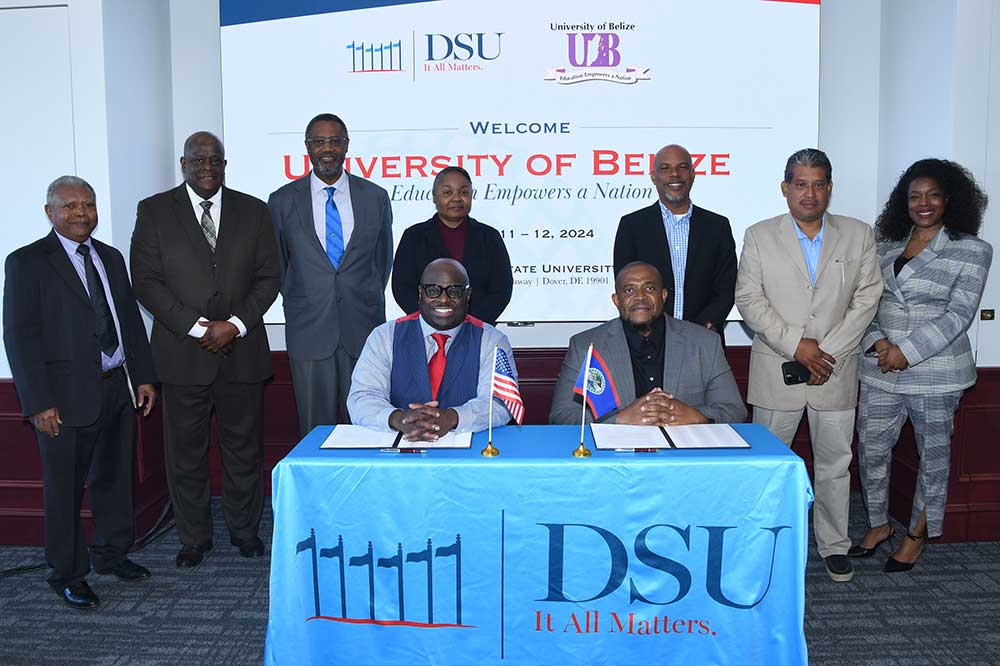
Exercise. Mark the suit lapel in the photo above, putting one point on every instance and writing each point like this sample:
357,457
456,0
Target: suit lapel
184,213
789,242
673,364
656,232
888,272
613,348
473,242
926,256
304,210
831,238
64,267
226,229
359,208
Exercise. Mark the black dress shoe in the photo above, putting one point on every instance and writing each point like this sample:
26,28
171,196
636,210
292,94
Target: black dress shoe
79,595
861,551
252,547
191,556
127,570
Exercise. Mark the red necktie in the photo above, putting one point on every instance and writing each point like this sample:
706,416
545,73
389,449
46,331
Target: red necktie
435,367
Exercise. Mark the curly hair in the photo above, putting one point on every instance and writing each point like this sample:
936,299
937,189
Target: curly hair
965,202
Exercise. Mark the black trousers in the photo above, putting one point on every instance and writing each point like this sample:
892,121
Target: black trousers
239,412
99,455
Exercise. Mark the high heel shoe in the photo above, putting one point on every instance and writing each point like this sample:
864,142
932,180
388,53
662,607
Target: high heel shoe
892,565
861,551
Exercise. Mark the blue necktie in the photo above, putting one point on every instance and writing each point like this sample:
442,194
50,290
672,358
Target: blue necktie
334,230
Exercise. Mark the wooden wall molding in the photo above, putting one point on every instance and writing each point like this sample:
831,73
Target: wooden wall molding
973,512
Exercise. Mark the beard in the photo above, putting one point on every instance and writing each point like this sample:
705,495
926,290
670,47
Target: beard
325,171
643,329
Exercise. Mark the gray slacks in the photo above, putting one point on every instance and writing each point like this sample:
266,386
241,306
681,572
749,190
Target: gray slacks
881,416
321,389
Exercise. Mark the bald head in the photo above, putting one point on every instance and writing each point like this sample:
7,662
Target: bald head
673,176
204,164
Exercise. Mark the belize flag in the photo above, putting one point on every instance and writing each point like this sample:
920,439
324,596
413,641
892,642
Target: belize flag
601,396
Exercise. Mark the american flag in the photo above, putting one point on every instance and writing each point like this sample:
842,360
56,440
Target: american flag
505,386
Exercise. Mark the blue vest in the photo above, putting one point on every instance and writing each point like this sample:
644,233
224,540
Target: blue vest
410,382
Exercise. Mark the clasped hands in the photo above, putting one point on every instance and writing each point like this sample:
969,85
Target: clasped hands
819,364
218,337
423,422
659,408
890,357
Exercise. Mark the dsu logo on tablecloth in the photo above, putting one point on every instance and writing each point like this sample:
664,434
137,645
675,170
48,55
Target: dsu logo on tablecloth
367,560
613,577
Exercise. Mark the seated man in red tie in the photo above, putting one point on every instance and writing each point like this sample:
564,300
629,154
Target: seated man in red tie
429,373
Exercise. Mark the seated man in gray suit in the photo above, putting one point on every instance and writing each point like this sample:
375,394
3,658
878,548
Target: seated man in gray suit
666,371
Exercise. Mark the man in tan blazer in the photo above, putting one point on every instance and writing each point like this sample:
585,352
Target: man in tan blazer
808,285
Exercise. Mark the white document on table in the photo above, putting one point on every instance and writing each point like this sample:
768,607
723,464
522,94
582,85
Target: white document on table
451,440
359,437
627,437
705,436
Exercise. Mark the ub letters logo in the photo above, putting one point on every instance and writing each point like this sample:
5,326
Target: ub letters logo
616,574
594,49
594,53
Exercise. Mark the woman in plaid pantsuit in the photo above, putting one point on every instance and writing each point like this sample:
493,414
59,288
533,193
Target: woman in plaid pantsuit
918,359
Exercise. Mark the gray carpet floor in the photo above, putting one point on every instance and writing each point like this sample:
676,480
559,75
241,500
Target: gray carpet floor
946,611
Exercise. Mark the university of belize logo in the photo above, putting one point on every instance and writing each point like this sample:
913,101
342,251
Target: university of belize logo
374,58
594,54
368,561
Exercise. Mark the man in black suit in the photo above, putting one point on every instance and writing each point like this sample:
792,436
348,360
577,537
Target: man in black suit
81,364
204,263
693,248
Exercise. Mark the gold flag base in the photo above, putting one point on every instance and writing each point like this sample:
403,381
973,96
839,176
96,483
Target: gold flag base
490,451
581,451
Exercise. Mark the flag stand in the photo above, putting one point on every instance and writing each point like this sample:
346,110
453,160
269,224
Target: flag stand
491,451
582,451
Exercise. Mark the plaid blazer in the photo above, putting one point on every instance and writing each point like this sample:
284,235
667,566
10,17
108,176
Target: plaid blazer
926,310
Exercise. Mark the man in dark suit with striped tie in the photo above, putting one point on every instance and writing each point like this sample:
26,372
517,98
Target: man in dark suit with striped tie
205,264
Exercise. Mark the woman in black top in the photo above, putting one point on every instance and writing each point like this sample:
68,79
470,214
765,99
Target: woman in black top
451,233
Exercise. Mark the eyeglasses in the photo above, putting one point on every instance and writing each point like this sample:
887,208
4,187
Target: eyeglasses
335,141
453,291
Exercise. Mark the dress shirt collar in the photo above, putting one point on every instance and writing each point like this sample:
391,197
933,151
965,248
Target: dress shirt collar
317,186
657,337
427,330
196,200
670,217
71,245
802,236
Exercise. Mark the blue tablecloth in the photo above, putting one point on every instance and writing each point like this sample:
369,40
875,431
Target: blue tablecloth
535,557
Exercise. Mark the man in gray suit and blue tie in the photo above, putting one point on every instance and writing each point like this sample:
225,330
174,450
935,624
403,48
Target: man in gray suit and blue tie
334,233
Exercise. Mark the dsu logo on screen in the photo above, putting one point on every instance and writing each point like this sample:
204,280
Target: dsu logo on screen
463,51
